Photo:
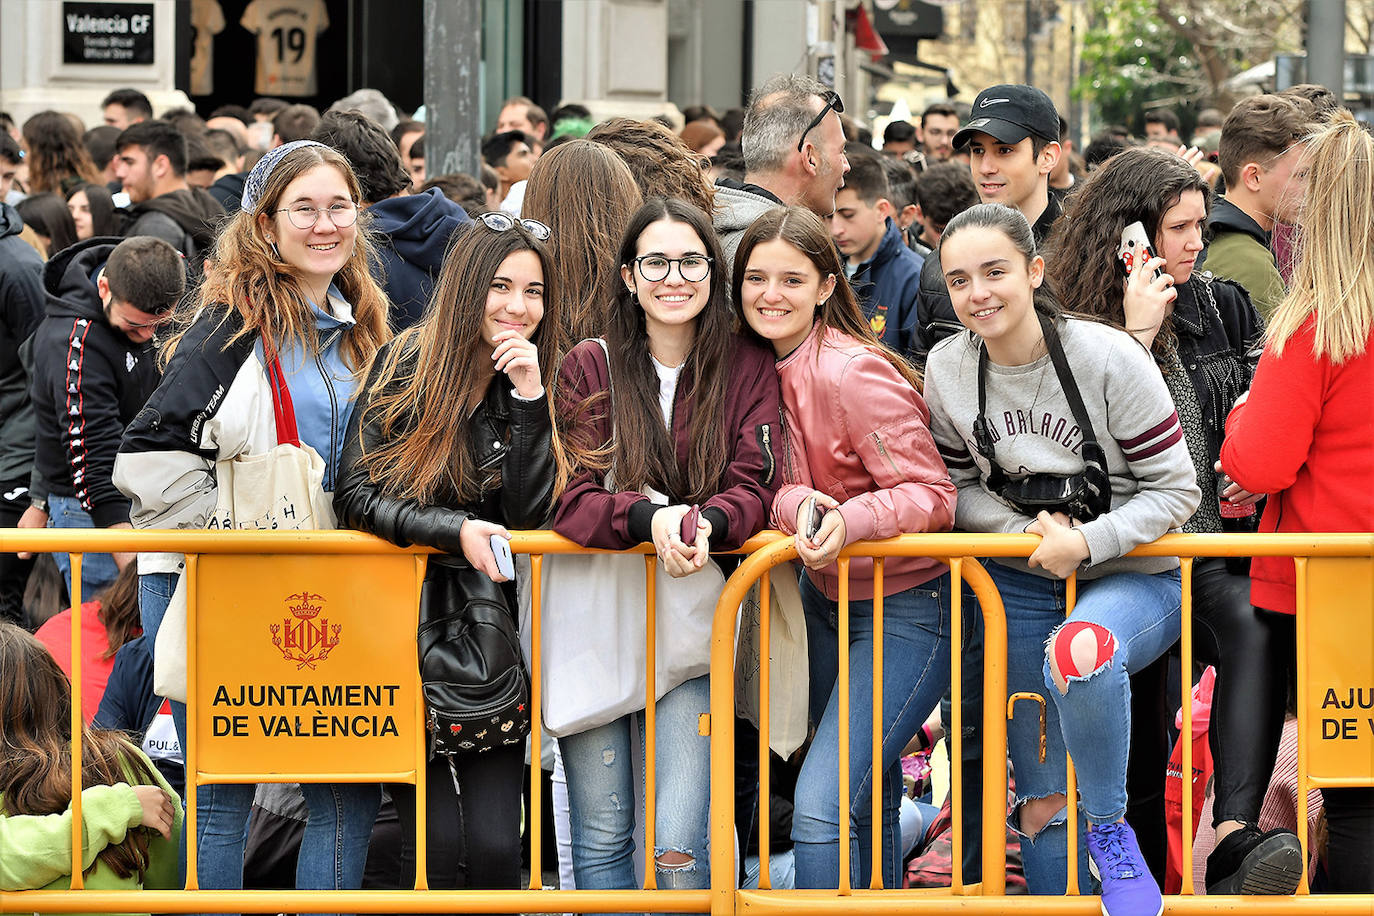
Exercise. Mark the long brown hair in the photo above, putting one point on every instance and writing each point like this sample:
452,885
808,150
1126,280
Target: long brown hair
59,159
269,295
642,451
587,226
420,389
35,744
661,163
1081,265
804,231
119,610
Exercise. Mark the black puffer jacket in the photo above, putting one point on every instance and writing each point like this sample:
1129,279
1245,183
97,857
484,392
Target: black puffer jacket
510,435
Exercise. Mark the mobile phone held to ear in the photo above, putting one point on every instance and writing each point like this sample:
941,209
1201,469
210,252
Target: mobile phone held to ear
1135,248
500,549
814,515
689,526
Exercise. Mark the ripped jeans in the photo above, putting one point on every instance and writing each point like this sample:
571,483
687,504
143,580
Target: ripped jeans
601,794
1092,719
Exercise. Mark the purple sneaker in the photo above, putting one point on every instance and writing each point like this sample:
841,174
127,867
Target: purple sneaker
1128,888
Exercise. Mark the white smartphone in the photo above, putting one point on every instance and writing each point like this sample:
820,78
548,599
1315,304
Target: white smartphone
500,549
1135,248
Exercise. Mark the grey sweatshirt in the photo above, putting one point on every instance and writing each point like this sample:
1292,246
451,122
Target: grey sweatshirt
1154,485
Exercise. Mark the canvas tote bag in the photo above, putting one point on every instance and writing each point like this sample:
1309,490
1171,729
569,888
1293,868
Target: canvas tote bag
280,489
593,638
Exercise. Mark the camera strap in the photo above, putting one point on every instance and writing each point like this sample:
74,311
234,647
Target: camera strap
982,431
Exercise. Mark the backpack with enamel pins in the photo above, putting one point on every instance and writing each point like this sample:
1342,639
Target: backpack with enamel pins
472,673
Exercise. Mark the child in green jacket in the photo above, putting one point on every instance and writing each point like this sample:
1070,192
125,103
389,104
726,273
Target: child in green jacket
131,818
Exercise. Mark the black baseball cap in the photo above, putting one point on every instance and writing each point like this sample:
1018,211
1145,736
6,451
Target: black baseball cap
1010,113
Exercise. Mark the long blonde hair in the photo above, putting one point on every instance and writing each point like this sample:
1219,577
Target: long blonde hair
1334,277
269,295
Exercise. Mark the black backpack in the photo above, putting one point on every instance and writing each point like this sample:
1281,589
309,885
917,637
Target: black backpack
473,677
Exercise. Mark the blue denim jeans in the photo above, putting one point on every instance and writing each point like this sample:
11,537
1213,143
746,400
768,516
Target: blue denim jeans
98,570
601,794
334,849
915,676
1093,718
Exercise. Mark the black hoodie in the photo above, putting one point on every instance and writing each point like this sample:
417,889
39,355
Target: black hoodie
21,308
187,219
88,382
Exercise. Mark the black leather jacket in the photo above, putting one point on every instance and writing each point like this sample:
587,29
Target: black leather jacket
1220,337
511,435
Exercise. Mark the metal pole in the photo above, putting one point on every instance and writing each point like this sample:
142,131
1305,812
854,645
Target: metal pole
453,61
1326,45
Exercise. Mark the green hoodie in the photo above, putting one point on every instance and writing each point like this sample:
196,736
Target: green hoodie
36,850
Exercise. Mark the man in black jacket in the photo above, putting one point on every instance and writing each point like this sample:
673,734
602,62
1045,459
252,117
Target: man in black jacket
150,160
93,368
21,308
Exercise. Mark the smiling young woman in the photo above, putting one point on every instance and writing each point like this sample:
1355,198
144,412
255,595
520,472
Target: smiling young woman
858,446
289,276
418,469
1062,428
675,411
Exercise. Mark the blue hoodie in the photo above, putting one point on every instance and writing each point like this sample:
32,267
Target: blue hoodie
886,285
415,231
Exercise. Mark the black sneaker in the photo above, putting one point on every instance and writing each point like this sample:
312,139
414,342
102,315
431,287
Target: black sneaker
1250,862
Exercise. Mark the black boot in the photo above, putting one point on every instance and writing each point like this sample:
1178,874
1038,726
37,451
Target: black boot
1250,862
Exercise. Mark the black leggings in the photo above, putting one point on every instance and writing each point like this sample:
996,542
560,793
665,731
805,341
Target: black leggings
1254,652
1349,840
487,800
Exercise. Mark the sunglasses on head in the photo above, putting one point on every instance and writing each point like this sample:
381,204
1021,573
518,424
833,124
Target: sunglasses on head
832,100
501,221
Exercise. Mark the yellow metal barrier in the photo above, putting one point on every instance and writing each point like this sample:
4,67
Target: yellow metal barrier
1325,565
317,564
1332,570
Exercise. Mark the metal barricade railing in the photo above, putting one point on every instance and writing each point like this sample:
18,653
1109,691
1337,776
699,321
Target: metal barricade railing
961,553
199,545
765,551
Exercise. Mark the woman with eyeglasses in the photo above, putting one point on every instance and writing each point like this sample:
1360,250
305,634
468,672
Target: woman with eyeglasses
449,444
289,281
671,412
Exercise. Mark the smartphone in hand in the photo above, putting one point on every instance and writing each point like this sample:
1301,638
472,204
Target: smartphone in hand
814,514
500,549
689,526
1135,248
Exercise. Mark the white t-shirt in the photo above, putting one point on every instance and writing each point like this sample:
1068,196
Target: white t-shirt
286,31
207,21
667,390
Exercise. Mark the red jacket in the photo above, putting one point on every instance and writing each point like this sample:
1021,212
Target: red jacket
1304,436
593,516
859,432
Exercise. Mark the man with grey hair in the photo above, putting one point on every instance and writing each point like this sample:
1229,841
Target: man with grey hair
793,155
372,103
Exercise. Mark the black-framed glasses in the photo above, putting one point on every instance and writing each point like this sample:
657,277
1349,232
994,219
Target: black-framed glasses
305,216
500,221
832,100
692,267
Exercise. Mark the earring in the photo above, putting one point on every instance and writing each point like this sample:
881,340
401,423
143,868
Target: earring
275,251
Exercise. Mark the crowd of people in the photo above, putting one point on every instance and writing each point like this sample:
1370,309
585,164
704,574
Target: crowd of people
630,332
